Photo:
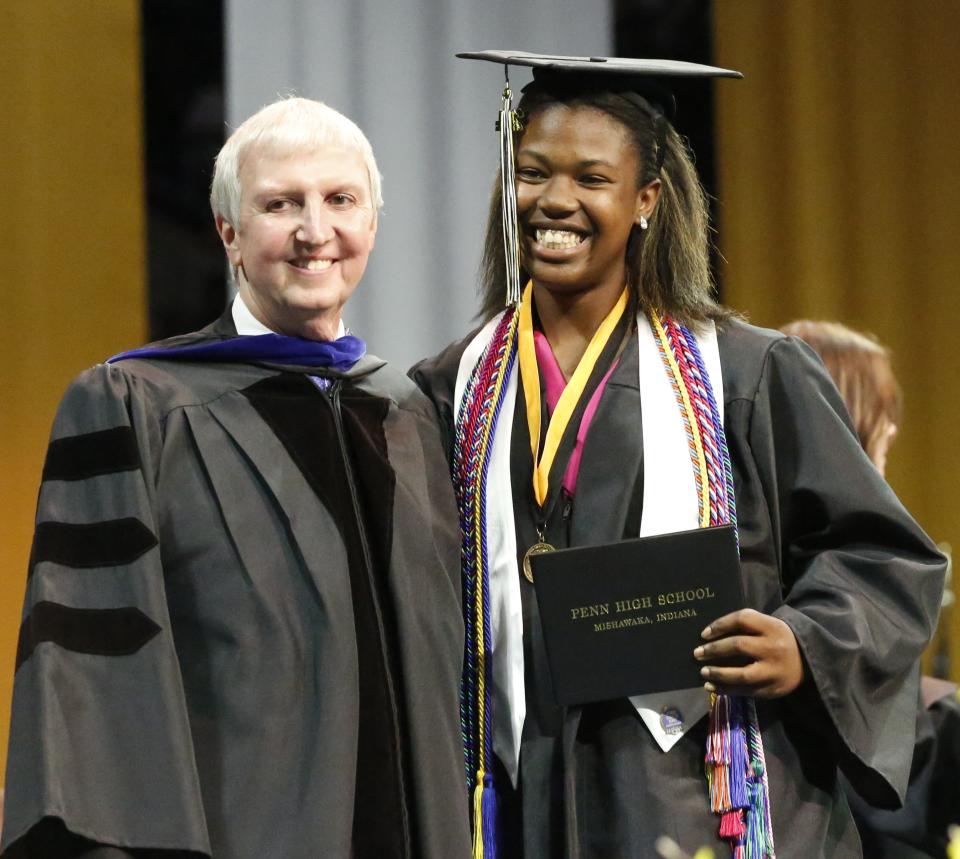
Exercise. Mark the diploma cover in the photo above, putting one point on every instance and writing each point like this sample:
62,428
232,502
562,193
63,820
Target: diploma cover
623,618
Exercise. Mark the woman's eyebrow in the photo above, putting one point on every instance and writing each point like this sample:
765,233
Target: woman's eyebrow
584,164
532,153
596,162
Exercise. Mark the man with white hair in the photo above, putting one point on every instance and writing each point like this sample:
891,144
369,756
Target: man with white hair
242,632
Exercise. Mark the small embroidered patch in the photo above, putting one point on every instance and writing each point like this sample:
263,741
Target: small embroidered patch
671,720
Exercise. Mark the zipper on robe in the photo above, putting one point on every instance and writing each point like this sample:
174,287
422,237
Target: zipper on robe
332,395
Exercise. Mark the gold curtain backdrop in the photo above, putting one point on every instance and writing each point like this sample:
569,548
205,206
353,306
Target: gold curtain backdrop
839,160
71,240
839,182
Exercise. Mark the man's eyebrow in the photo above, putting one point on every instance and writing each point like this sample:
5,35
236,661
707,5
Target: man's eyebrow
270,189
350,186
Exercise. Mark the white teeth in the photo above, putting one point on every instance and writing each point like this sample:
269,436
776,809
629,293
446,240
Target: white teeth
316,264
556,239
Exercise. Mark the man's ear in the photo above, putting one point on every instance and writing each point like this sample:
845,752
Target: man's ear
228,235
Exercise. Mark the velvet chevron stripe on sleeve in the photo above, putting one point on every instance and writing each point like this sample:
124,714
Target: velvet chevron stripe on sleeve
92,454
102,631
110,543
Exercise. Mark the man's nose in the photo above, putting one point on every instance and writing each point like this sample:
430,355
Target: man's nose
315,226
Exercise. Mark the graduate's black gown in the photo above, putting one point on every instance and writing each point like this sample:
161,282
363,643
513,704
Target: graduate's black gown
825,546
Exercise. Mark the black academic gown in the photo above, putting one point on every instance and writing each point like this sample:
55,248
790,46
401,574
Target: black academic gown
932,805
825,546
242,632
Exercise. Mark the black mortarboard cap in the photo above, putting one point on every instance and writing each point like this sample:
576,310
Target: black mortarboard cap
647,78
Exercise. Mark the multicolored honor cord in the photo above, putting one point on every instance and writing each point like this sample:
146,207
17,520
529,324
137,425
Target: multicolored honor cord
736,771
475,427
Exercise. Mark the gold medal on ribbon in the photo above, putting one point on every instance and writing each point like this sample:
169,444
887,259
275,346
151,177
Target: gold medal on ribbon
543,461
538,548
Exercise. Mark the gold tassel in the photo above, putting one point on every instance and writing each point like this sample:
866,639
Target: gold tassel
478,817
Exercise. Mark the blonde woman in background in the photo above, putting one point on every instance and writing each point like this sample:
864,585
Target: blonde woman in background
863,371
861,368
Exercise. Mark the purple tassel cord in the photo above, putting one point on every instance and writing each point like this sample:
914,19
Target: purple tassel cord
485,819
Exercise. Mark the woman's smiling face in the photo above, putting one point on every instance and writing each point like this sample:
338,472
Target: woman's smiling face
577,198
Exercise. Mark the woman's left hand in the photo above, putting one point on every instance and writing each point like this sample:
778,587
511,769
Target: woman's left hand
752,654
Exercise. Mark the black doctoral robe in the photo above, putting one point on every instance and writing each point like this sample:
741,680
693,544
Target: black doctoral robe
242,631
825,546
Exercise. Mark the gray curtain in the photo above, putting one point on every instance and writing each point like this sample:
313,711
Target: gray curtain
390,67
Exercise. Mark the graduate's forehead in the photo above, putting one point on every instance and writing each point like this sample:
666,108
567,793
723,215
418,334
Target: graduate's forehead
582,132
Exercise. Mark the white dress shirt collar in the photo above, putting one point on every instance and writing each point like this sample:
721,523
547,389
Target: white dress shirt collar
248,325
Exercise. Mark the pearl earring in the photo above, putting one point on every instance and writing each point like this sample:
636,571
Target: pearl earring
643,223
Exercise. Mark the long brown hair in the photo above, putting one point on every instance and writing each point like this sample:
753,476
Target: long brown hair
863,373
668,265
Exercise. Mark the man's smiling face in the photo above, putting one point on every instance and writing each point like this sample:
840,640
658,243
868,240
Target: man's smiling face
307,226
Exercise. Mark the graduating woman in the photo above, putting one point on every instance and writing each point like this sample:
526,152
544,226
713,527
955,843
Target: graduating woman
613,399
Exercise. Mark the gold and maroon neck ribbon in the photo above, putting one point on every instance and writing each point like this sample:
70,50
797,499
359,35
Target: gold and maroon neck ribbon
571,395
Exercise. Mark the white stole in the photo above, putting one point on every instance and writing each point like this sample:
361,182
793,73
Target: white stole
669,504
